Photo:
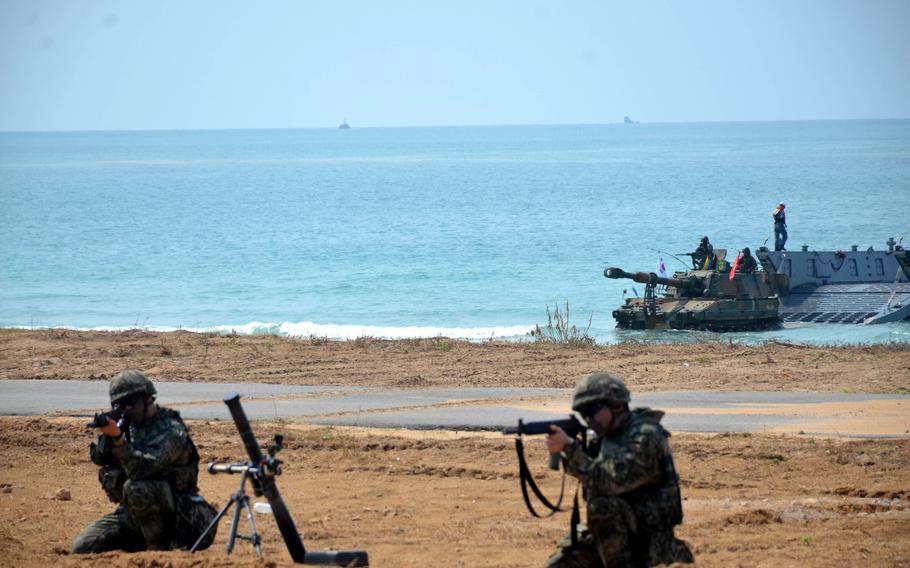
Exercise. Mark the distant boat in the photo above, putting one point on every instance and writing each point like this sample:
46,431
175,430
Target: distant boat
344,124
627,120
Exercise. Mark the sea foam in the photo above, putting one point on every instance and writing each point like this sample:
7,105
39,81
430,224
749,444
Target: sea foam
329,331
346,332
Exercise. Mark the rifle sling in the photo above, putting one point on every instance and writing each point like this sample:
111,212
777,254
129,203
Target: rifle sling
573,523
524,475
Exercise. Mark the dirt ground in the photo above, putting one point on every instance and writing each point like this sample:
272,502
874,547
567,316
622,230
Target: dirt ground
708,365
439,499
423,500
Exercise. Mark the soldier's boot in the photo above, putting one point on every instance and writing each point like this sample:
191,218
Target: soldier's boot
151,507
583,555
611,522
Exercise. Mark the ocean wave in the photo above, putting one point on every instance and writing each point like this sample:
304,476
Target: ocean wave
333,331
346,332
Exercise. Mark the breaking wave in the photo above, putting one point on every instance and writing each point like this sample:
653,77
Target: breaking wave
346,332
340,332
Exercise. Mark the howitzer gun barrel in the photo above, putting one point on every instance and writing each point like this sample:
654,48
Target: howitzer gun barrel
652,278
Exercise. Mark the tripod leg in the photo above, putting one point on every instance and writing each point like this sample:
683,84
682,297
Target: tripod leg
254,536
213,524
232,536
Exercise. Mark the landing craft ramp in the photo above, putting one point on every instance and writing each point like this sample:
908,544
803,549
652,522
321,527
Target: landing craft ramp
858,287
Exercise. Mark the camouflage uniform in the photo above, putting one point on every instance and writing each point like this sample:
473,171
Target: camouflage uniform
152,476
747,262
704,252
632,493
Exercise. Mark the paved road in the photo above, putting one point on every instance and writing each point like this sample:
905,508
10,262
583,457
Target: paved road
482,409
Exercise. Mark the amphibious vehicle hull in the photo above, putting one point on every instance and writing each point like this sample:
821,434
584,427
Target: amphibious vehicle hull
700,314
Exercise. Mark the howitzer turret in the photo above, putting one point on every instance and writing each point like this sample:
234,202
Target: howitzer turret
699,299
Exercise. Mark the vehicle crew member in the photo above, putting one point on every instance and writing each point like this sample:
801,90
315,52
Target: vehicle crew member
150,468
747,263
703,256
630,484
780,226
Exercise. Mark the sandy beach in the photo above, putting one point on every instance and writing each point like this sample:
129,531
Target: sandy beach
440,362
441,499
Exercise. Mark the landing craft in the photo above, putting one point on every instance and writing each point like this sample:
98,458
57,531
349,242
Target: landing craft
854,286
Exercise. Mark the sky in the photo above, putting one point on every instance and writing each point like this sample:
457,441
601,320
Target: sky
212,64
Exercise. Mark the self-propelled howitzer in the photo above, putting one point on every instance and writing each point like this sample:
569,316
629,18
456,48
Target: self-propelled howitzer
699,299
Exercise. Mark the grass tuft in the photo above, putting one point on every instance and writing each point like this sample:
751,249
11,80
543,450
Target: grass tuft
561,331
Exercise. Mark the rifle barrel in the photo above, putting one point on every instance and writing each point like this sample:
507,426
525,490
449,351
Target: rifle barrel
570,426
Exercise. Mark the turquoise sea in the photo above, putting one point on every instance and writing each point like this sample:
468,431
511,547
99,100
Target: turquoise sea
399,232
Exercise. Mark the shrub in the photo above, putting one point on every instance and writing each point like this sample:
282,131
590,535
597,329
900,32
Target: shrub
561,331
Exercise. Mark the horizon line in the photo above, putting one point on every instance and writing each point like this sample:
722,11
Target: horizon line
504,125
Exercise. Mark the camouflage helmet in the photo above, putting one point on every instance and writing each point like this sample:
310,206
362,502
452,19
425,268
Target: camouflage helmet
600,387
128,383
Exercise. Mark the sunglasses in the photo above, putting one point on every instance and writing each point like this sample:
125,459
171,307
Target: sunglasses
132,400
589,410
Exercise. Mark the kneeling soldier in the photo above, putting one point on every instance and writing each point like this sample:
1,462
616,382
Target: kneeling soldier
630,484
150,469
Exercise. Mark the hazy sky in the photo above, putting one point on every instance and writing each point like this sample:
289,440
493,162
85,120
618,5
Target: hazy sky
103,64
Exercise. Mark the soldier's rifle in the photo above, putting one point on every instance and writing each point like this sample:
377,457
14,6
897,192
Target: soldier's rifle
117,415
573,427
100,419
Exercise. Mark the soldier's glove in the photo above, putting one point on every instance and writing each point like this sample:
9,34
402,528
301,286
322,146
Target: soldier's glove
111,429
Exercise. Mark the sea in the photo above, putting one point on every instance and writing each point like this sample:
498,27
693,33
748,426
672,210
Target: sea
465,232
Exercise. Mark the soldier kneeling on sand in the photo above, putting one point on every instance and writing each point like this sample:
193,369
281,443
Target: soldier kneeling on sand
150,469
630,484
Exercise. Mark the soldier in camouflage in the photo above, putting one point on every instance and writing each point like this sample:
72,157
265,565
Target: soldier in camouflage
747,262
150,469
629,482
703,255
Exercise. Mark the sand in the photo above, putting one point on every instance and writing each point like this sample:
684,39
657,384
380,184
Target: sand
440,499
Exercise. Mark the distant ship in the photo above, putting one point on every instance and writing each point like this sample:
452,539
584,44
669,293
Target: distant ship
627,120
344,124
853,286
